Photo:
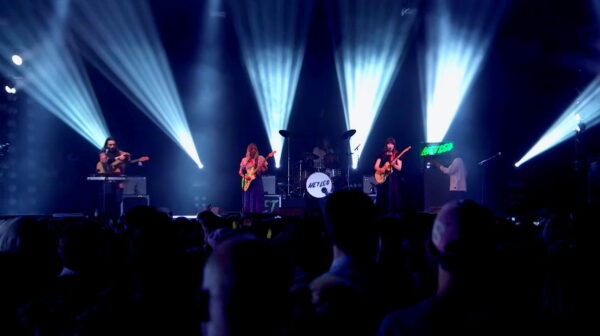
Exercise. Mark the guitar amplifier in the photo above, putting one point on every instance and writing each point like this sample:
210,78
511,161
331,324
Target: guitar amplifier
269,184
134,185
435,189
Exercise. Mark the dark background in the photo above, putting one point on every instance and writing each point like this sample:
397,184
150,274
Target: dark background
542,55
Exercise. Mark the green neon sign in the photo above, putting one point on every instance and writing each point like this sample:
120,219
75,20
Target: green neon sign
437,149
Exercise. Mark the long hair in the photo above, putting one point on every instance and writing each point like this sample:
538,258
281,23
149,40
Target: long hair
109,139
392,141
250,146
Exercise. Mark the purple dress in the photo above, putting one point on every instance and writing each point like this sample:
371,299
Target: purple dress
390,198
253,200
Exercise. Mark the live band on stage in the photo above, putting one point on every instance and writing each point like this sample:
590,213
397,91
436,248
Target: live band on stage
318,173
315,174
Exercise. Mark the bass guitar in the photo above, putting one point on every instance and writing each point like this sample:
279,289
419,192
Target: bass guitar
115,167
380,177
116,163
252,173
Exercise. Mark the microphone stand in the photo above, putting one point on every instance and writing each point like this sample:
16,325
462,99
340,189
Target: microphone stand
486,160
286,135
483,163
348,170
349,164
346,136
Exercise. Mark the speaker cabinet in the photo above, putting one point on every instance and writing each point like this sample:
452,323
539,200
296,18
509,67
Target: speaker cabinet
130,202
435,191
135,185
269,184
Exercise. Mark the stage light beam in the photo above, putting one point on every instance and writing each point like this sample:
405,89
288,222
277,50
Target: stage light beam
583,113
272,34
367,58
458,36
126,47
53,74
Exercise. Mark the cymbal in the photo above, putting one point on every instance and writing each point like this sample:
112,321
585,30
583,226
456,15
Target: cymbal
290,135
348,134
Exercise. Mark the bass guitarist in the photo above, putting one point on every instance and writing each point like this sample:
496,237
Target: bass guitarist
389,193
252,167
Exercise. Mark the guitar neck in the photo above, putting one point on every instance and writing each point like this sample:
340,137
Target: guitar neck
402,153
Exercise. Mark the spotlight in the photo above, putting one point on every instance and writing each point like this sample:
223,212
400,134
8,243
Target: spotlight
10,90
17,60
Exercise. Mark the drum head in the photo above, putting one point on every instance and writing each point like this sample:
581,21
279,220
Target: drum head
317,183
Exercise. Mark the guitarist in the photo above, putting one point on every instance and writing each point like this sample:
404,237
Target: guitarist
389,193
254,199
112,159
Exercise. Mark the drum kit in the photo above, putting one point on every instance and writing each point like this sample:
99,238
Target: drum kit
315,175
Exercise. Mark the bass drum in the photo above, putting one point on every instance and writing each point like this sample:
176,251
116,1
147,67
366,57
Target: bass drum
319,185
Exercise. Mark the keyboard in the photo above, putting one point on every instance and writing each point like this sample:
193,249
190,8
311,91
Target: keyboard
108,178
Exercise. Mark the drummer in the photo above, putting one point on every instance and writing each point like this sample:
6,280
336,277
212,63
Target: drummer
323,151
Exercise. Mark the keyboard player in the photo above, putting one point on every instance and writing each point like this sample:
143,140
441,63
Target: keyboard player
112,160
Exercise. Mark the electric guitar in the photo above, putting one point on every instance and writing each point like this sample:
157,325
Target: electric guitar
252,173
116,163
380,177
141,159
114,167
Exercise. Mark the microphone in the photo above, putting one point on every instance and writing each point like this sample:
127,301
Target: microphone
355,149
